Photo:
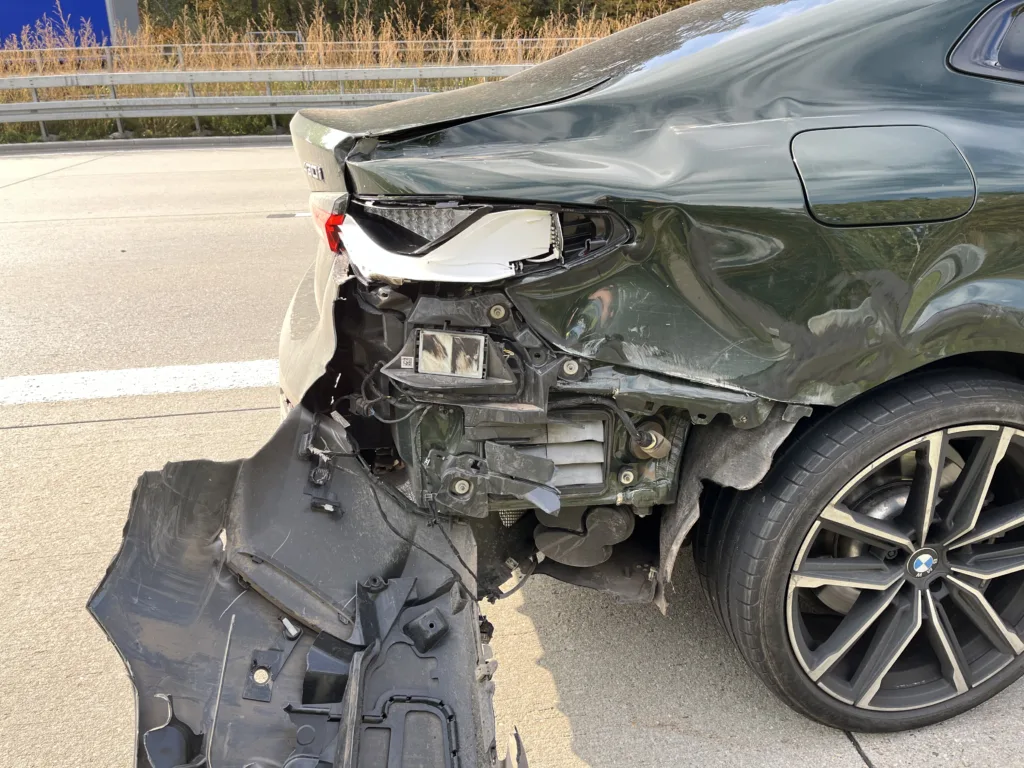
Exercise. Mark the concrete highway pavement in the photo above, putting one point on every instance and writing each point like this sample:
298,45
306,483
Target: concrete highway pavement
170,257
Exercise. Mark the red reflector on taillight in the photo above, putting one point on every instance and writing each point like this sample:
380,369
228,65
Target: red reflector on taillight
328,225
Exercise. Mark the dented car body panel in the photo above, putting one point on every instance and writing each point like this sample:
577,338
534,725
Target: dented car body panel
694,151
545,317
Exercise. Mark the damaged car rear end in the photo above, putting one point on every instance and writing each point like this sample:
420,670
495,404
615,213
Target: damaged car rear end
555,320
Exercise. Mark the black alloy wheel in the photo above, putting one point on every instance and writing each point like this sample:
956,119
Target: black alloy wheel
875,580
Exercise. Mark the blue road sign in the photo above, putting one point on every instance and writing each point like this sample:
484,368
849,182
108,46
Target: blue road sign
15,15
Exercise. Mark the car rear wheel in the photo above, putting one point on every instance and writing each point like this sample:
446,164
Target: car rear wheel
875,579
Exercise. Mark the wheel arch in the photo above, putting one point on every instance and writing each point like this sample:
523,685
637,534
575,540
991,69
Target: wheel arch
1000,361
717,493
996,361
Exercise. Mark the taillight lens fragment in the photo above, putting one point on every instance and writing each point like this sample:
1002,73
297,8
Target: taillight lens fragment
413,228
429,222
328,214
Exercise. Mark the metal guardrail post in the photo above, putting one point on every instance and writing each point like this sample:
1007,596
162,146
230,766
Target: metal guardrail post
120,125
191,89
42,125
273,117
192,93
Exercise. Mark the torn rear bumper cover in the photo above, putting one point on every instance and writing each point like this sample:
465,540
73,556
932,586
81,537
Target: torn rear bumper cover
289,610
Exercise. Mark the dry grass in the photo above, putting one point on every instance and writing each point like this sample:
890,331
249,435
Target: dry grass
205,42
199,42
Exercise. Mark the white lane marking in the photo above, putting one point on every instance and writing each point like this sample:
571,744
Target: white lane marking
132,382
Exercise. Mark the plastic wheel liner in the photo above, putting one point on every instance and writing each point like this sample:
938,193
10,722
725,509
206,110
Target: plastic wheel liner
289,610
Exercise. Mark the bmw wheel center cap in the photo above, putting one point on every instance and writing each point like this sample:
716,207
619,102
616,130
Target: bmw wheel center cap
923,562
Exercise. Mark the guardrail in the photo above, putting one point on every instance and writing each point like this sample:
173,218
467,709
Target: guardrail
189,104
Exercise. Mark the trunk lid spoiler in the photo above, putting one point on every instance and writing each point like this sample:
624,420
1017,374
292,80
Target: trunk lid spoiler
432,111
320,133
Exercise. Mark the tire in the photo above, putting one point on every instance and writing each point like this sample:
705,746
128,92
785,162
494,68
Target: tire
747,546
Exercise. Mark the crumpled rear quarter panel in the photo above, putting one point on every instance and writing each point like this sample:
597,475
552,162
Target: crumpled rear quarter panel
730,281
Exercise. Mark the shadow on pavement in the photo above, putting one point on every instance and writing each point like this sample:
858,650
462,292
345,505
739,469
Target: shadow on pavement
635,688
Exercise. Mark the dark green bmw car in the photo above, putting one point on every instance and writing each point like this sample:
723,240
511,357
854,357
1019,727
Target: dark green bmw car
747,278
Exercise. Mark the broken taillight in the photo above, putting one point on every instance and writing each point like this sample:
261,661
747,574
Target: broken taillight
328,214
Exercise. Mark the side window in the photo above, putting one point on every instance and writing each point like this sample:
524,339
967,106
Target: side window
994,45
